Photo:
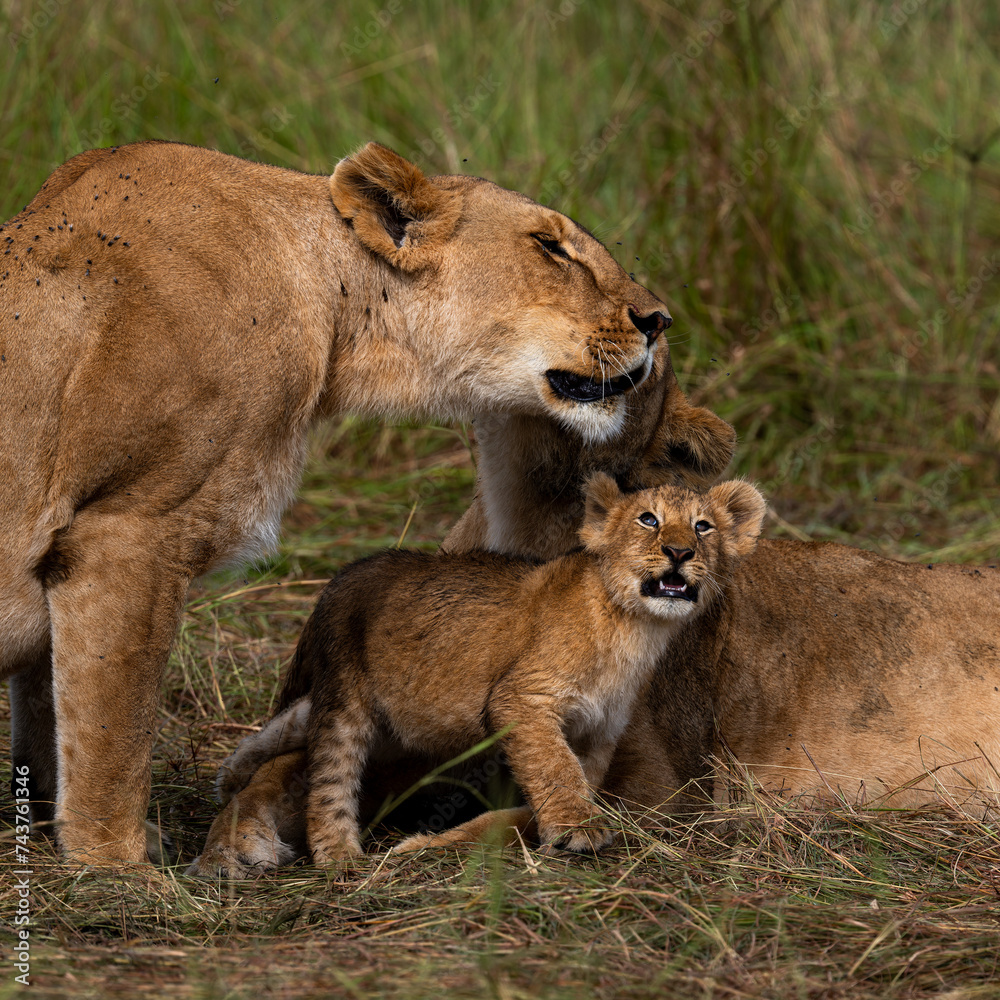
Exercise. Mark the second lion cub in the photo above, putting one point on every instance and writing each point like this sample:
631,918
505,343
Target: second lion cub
412,653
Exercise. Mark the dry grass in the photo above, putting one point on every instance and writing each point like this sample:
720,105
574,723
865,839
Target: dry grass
783,901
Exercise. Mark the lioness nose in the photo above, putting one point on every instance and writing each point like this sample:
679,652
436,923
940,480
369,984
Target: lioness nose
652,325
678,555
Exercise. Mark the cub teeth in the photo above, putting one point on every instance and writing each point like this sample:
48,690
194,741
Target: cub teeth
672,586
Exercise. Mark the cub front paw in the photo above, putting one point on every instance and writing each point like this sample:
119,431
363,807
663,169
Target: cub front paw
586,836
328,853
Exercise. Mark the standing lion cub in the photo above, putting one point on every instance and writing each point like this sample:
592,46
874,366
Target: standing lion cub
410,653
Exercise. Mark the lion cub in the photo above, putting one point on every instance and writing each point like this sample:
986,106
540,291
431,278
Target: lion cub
412,653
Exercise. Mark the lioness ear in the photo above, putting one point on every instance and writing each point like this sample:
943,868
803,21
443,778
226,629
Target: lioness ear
742,508
395,210
601,493
690,441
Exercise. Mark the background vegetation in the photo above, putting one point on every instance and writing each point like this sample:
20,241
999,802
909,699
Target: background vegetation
814,189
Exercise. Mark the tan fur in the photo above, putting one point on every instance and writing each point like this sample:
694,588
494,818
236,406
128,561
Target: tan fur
435,653
284,734
172,320
430,655
264,828
530,473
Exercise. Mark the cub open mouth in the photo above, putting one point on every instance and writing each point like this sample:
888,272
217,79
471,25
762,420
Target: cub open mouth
586,390
671,585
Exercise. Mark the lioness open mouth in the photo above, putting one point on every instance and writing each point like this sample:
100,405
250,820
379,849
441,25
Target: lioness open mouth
586,390
671,585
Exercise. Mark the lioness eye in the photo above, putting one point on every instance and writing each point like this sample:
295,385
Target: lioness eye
702,526
551,246
649,520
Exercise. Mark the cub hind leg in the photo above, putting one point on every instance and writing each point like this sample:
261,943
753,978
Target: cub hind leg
262,827
284,734
499,826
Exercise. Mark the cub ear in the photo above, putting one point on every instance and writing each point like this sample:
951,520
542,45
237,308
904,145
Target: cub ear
691,441
741,509
395,210
601,493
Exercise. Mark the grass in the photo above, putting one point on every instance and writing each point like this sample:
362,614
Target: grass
815,190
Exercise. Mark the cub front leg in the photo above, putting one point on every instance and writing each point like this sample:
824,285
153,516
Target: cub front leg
339,742
114,607
550,775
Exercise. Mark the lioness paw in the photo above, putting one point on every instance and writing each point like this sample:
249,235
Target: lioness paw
585,834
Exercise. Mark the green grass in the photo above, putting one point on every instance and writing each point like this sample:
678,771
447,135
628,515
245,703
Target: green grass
815,190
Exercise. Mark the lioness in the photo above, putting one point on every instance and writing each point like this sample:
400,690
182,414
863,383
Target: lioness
414,653
172,321
827,670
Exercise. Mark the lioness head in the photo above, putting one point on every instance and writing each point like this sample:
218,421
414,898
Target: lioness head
664,550
523,307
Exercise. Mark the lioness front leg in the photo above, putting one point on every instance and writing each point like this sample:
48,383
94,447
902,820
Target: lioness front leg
114,605
552,778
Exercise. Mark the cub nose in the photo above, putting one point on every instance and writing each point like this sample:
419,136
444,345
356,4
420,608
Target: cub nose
651,325
678,555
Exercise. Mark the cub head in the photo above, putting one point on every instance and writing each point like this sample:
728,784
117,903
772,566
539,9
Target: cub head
522,309
666,551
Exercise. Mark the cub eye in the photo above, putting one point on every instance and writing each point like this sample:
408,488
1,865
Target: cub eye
702,527
649,520
552,247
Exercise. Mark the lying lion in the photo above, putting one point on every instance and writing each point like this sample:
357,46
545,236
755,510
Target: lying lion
172,322
827,671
